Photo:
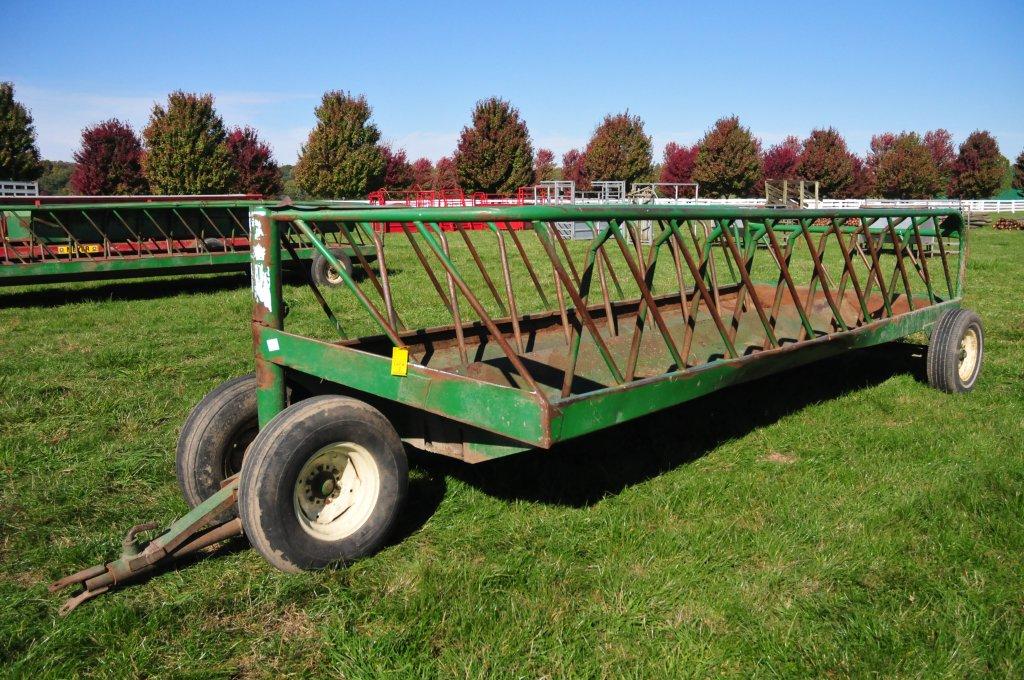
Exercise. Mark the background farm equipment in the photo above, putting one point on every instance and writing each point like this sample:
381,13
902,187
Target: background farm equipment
52,239
545,339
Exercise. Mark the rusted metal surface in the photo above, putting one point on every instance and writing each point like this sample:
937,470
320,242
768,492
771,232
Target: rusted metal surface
739,284
186,535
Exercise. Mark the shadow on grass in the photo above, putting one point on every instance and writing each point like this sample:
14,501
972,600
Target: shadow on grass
148,289
582,471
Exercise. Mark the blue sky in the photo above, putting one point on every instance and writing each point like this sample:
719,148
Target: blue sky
864,67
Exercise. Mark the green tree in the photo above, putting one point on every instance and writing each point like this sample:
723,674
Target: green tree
342,157
185,147
907,169
728,161
827,159
19,156
619,149
1018,172
494,153
979,167
56,178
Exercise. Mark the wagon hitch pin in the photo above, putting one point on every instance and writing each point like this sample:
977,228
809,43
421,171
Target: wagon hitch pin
186,535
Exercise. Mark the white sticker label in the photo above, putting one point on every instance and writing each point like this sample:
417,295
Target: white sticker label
273,345
260,271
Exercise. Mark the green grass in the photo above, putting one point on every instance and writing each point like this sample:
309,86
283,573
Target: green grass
841,519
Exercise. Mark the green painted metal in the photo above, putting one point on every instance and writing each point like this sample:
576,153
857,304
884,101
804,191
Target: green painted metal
54,240
853,310
509,412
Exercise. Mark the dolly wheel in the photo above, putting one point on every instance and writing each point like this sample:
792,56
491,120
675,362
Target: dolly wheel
322,483
323,274
955,352
214,439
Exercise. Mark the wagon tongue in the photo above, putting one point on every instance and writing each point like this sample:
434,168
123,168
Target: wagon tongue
188,534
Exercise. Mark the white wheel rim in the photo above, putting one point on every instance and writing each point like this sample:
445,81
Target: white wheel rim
968,362
333,277
336,491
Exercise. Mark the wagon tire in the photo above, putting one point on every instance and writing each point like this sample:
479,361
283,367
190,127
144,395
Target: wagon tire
955,351
322,272
323,483
214,440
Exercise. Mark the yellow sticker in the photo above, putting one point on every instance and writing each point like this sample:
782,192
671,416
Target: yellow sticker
399,361
81,248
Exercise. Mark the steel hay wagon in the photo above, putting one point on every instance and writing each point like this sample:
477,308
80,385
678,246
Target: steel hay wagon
50,239
547,339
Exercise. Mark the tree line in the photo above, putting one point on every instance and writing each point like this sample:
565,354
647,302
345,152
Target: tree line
186,148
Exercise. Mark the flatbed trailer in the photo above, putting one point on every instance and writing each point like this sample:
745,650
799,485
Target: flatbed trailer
56,239
548,340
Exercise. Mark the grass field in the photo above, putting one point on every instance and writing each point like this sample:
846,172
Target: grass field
841,519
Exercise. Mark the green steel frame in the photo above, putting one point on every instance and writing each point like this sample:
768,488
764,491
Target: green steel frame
496,384
861,303
51,240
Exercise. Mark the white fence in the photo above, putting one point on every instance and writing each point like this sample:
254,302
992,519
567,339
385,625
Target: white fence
991,206
966,206
12,188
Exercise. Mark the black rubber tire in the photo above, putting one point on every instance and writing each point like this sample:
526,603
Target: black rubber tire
944,351
271,470
214,439
322,273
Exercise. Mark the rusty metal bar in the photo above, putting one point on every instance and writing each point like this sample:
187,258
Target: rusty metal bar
526,262
646,293
480,266
897,244
460,336
821,275
481,312
581,309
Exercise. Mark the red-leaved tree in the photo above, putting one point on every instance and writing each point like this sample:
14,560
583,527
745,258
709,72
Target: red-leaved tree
255,169
979,167
729,160
574,168
446,175
880,145
397,169
422,173
677,165
619,149
109,161
1018,172
781,159
940,146
827,160
863,183
544,166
